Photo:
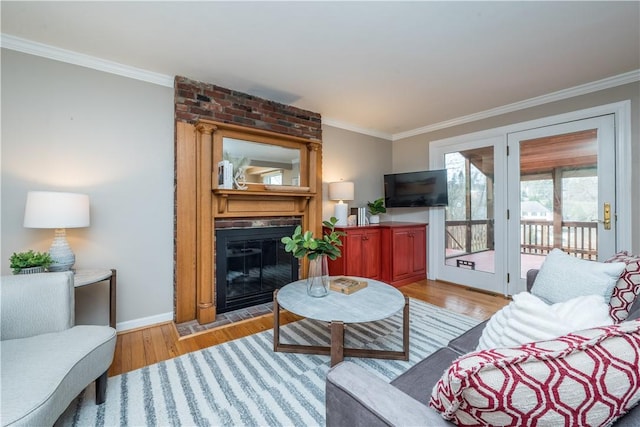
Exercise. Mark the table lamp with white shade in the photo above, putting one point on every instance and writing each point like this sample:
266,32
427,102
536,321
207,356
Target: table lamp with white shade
341,191
51,209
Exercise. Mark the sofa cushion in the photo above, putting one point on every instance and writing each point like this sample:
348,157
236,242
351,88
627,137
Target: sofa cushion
41,375
527,318
589,377
627,287
563,277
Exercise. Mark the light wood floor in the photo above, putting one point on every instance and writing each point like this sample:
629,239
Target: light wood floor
141,347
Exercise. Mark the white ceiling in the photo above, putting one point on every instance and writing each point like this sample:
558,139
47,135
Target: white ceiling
387,68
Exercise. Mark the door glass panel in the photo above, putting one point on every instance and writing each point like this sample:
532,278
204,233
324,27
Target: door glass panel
469,218
558,197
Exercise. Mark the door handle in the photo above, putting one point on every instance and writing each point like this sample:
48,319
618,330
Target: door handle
607,217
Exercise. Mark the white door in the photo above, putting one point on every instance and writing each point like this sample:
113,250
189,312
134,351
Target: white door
468,232
561,194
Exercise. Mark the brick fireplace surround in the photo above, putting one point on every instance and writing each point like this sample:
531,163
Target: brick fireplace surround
202,109
196,100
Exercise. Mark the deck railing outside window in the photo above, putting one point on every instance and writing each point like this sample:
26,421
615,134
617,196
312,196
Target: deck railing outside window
579,238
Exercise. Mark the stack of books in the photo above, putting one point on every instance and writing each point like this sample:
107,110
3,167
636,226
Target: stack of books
346,285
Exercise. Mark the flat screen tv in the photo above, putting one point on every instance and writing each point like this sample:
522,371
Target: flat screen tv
416,189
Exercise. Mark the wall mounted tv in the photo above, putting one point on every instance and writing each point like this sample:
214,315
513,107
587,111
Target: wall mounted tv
416,189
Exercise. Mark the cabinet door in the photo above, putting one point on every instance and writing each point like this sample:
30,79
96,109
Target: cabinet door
402,244
419,241
371,254
353,263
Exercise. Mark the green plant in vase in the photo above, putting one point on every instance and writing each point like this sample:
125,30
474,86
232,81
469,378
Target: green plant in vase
30,261
375,209
316,250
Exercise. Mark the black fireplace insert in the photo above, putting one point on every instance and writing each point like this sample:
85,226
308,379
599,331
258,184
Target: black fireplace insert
250,264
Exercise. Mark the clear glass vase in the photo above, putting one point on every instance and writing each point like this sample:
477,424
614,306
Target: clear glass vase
318,278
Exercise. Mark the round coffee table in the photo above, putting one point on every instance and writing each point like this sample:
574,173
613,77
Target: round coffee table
375,302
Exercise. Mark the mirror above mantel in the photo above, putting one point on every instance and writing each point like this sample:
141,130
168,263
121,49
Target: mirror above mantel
268,164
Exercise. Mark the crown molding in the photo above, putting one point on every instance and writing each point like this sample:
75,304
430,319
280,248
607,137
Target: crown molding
51,52
40,49
352,128
609,82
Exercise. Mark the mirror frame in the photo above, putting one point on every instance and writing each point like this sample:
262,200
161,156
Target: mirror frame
250,135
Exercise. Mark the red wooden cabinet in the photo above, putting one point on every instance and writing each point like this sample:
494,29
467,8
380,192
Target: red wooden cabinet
360,253
393,252
404,253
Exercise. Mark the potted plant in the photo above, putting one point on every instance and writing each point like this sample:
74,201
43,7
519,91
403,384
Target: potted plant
316,250
29,262
375,208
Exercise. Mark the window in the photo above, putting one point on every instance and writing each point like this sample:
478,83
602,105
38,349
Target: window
272,178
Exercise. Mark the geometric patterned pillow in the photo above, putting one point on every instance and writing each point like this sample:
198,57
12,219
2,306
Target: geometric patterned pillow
627,287
589,377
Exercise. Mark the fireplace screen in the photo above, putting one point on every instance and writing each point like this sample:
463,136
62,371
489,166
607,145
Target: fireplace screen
250,264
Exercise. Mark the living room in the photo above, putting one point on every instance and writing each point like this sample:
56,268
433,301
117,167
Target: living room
70,127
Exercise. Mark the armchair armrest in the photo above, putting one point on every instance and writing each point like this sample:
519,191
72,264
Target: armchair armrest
34,304
356,397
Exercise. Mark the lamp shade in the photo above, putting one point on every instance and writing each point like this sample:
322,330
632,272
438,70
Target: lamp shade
341,190
50,209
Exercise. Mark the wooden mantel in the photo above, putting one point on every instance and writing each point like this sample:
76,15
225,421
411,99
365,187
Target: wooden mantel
234,203
199,203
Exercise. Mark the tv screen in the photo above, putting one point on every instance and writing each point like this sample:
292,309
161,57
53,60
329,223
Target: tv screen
416,189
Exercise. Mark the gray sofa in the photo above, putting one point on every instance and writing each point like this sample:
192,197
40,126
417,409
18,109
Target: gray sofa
355,397
45,360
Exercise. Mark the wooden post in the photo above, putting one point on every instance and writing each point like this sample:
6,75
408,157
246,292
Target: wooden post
186,214
337,342
205,309
557,208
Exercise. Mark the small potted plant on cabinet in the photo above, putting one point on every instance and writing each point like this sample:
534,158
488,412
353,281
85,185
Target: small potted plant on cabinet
316,250
375,209
29,262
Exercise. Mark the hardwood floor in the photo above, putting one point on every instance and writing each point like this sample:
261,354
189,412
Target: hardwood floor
141,347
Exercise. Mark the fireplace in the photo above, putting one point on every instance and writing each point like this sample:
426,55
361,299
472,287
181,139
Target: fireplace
250,264
202,208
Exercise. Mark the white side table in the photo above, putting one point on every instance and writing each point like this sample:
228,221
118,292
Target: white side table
84,277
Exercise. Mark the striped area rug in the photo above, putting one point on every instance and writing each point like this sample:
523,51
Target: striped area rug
244,383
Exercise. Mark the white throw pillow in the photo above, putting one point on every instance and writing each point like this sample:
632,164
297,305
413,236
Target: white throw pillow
527,319
563,277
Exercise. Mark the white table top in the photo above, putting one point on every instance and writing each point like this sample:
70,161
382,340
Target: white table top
84,277
375,302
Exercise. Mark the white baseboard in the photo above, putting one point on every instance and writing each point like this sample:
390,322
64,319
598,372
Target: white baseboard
144,321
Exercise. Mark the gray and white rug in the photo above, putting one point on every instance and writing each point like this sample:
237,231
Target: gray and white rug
244,383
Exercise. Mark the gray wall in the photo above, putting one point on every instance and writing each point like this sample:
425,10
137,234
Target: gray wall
413,153
68,128
352,156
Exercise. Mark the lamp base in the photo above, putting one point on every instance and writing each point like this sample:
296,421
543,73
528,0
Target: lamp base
341,213
60,252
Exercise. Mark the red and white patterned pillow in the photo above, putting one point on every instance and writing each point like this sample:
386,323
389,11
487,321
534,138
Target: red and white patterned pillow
627,287
589,377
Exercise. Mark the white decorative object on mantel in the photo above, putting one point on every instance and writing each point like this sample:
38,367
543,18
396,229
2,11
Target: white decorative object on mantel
239,180
374,219
225,175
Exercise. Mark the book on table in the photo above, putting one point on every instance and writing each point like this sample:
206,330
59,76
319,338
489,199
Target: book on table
346,285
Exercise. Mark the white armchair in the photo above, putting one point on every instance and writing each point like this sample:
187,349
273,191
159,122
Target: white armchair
45,360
